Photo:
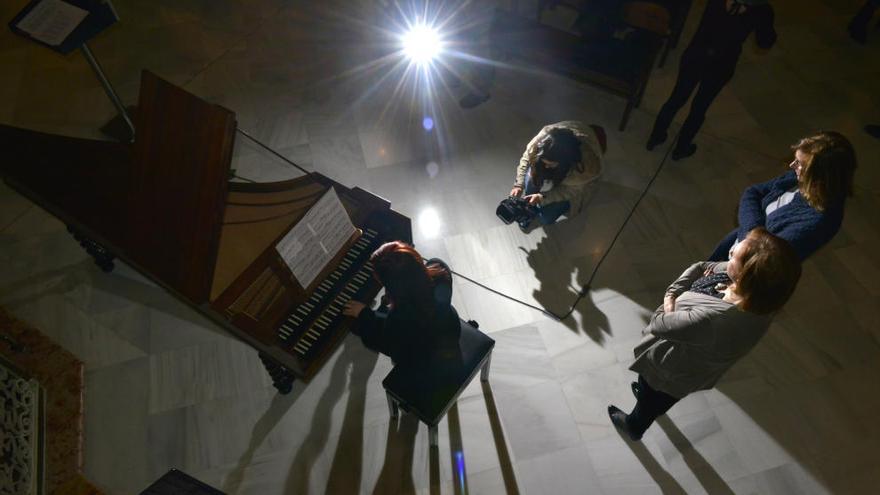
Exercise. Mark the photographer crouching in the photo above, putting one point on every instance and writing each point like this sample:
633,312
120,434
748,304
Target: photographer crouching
553,174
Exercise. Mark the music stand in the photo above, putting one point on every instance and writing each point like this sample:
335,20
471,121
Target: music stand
65,25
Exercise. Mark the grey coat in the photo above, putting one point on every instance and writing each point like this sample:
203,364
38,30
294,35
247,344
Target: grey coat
690,348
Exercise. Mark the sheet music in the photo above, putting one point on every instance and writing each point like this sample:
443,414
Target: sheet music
51,21
316,239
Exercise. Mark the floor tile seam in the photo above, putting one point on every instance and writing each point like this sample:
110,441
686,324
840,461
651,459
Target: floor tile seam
781,439
538,318
198,392
586,374
9,224
210,403
96,324
572,414
582,445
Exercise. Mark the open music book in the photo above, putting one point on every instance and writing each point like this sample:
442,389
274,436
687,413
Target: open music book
52,21
313,242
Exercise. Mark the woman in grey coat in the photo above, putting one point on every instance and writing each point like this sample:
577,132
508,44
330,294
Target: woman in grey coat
712,315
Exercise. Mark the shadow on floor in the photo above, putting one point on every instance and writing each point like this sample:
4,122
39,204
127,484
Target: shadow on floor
350,372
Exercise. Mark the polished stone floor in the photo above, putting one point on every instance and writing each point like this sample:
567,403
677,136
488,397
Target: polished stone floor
166,388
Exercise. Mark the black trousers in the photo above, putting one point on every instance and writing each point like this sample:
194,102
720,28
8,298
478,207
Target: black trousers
706,75
650,405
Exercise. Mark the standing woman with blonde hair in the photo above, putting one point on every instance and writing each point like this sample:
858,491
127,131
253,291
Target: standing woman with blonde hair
805,205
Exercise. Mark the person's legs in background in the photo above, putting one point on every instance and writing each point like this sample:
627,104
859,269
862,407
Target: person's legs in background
858,26
478,69
482,75
714,79
689,74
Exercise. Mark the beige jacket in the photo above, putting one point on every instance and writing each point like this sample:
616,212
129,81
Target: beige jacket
574,187
690,348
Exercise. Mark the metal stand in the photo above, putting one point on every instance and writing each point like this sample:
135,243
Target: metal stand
108,89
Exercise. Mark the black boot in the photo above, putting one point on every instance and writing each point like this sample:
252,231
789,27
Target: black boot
683,151
618,417
654,140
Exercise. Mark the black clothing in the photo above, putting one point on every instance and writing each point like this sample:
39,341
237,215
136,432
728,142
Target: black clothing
712,285
710,61
650,405
409,336
858,26
720,35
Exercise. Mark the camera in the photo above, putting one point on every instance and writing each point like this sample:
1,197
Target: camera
515,209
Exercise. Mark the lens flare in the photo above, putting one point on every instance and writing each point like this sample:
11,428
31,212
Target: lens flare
429,223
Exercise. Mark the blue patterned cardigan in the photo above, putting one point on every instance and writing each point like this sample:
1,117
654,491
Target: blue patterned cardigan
804,227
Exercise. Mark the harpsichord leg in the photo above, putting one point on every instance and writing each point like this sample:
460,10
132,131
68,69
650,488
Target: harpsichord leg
103,257
282,378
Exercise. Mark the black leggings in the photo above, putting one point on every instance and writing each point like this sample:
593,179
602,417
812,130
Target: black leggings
650,405
710,75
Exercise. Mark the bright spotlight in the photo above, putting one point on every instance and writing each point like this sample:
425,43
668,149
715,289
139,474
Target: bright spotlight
422,43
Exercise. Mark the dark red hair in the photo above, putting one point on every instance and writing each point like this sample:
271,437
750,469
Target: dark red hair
407,281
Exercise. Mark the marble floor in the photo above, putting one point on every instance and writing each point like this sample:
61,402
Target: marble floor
167,388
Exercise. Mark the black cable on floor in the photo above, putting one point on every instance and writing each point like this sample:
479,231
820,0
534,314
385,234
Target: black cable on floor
545,311
586,288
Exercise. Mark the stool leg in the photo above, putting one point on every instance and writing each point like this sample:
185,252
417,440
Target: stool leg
484,373
432,436
392,406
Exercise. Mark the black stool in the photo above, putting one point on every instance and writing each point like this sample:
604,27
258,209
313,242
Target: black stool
429,390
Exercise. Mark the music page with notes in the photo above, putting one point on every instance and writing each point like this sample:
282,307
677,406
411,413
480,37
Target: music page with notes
316,238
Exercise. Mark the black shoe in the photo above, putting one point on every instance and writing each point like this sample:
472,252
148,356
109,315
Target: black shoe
654,141
637,390
873,130
618,417
472,100
679,153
